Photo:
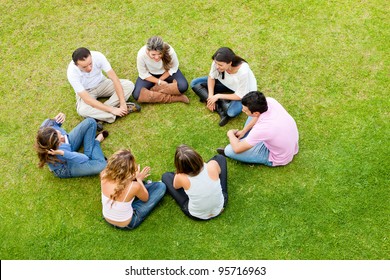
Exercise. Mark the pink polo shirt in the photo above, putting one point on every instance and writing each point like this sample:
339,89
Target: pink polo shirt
279,132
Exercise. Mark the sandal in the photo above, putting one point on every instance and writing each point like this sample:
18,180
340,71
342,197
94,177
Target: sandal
104,133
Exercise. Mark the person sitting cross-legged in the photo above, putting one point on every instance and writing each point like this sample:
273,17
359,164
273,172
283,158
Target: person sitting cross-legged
272,140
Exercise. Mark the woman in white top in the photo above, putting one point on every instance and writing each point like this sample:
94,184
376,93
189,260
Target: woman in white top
159,78
230,78
126,200
199,188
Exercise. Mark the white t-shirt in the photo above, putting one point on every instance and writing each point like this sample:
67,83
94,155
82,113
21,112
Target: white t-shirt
278,131
81,80
147,66
241,82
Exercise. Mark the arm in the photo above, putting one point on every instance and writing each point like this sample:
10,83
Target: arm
237,145
119,92
155,80
69,156
142,192
210,88
241,133
181,181
213,169
211,100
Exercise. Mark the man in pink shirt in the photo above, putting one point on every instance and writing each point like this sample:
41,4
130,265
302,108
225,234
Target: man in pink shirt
273,139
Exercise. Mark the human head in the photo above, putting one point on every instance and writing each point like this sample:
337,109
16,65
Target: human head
188,161
226,56
121,166
255,101
82,59
158,50
47,139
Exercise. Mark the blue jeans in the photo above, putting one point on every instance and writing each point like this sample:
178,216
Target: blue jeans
84,134
142,209
257,154
182,83
235,106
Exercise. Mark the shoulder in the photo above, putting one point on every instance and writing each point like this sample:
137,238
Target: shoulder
213,169
142,51
181,181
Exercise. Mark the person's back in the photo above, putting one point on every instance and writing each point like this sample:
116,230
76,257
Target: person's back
205,195
279,132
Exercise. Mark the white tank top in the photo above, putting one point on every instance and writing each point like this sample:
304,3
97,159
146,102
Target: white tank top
205,195
119,211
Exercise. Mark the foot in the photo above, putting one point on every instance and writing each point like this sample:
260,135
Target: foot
101,136
224,120
221,151
185,99
132,107
99,125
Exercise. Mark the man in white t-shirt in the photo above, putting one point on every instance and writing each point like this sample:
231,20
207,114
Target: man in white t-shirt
87,79
273,139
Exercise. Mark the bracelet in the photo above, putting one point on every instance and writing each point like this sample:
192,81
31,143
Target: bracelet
159,82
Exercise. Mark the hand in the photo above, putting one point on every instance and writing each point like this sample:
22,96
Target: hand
240,133
60,118
55,152
119,111
141,175
232,132
211,102
163,82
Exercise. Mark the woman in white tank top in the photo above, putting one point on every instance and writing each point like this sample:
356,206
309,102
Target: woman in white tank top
199,188
121,183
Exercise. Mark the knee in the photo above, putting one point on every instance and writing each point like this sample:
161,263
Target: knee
229,151
193,83
161,188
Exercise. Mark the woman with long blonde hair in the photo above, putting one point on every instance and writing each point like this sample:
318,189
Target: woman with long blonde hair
126,200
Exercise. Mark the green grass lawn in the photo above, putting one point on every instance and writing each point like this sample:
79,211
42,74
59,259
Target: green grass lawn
327,62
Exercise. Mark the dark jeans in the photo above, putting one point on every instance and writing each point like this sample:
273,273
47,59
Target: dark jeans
235,106
181,197
182,83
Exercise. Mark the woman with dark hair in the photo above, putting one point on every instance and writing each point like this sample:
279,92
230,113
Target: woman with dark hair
160,80
230,78
59,150
199,188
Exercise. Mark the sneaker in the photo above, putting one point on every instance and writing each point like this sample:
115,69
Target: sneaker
132,107
221,151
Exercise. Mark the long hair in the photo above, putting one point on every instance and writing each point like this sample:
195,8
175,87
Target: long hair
47,139
121,169
226,55
156,43
188,161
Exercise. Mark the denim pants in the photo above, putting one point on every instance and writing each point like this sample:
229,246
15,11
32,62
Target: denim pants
142,209
257,154
84,135
180,196
235,106
182,83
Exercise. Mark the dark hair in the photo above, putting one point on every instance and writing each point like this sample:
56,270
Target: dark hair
80,54
156,43
188,161
47,139
255,101
226,55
